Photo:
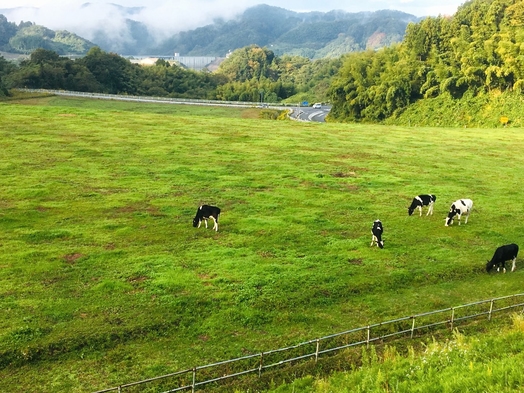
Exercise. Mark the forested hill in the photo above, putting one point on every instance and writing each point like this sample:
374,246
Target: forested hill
312,34
27,36
447,70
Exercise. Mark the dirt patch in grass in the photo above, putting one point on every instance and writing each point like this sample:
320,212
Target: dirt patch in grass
344,174
71,258
355,261
137,279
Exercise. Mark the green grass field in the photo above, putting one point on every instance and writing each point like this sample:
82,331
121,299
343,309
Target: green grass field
104,281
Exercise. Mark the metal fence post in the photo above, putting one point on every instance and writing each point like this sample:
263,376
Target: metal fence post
260,365
490,309
316,351
452,317
194,380
413,326
369,334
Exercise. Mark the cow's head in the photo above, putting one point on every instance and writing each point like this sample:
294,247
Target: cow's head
410,211
452,213
489,266
196,222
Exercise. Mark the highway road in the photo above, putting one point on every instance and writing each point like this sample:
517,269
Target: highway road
300,113
307,113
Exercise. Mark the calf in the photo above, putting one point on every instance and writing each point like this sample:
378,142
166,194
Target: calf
376,232
420,201
503,254
458,208
205,212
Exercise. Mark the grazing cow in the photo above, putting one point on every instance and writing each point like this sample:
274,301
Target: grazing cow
458,208
377,234
205,212
503,254
420,201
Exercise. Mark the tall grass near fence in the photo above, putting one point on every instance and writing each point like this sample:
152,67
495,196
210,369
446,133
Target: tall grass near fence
475,363
104,281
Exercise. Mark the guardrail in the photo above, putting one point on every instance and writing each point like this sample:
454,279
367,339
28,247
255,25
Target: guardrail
160,100
197,377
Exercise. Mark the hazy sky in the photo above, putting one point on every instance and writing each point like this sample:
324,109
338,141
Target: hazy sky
166,17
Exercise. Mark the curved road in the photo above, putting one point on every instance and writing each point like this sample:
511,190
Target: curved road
310,113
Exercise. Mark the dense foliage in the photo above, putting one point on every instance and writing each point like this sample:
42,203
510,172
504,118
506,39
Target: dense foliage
104,72
477,51
250,74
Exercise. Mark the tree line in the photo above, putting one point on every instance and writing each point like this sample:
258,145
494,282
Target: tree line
249,74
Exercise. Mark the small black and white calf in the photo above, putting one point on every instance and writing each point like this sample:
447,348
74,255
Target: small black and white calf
458,208
502,254
206,212
420,201
376,232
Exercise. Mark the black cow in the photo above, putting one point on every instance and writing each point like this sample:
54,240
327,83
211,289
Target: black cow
205,212
503,254
420,201
377,234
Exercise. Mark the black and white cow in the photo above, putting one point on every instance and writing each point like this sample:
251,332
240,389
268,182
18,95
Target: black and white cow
458,208
503,254
420,201
376,232
205,212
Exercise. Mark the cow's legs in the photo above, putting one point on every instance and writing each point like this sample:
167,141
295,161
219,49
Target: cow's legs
199,223
430,209
513,267
420,210
373,239
205,220
215,224
467,215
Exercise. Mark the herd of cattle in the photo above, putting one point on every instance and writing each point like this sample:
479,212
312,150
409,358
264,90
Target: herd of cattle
459,208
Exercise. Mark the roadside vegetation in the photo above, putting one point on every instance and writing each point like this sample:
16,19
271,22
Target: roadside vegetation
104,280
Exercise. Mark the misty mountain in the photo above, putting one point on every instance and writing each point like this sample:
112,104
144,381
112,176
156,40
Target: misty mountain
311,34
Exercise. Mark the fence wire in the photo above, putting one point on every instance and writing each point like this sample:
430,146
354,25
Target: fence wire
412,326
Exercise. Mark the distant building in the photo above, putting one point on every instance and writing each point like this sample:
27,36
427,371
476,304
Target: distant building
198,63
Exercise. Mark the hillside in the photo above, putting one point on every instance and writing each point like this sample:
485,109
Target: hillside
26,37
311,34
447,71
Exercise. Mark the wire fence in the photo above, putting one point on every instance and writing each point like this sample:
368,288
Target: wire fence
408,327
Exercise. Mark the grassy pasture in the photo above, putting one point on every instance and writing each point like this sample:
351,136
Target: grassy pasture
103,279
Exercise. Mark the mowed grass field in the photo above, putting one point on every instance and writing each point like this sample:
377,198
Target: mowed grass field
104,281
